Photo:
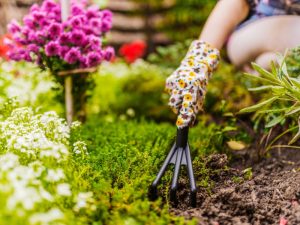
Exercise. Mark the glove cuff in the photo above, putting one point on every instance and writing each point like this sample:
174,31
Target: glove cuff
200,52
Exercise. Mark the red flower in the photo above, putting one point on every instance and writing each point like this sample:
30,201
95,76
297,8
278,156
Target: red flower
133,51
3,47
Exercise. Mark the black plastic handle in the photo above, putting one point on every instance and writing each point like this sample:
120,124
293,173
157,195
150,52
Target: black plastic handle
182,137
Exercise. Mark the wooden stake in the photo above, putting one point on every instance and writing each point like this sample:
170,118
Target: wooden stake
65,12
69,99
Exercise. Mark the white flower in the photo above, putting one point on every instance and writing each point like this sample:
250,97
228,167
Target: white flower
64,189
80,147
46,218
85,200
55,175
8,161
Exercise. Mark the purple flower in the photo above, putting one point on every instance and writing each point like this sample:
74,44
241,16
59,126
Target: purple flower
83,62
33,48
43,22
14,27
106,25
95,23
72,56
92,12
64,38
94,42
77,21
93,59
78,37
14,55
54,30
39,37
52,48
76,10
38,15
48,5
29,21
34,8
106,14
109,53
63,51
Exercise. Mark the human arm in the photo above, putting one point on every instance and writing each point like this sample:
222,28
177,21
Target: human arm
187,85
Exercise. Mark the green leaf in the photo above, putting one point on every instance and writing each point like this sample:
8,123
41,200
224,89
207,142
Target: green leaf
264,73
274,121
292,111
261,88
258,106
263,80
296,137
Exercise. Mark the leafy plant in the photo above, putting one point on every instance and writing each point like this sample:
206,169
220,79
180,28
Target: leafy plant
281,98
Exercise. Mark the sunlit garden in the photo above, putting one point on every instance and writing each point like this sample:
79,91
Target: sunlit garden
85,122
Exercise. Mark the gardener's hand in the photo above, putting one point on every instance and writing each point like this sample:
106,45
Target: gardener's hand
187,85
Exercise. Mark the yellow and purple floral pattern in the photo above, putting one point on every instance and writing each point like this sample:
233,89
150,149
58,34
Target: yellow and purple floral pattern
187,84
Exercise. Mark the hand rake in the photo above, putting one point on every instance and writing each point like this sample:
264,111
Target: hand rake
179,155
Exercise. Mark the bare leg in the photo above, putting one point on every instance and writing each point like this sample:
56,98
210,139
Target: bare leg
262,39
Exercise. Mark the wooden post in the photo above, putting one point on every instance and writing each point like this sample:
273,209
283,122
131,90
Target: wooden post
65,12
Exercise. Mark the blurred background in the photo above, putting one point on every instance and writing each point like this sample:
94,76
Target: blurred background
157,22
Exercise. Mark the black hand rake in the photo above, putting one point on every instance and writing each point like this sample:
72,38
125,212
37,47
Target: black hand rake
178,155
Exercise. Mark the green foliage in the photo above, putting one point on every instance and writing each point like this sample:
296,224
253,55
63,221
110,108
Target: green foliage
183,19
128,155
280,97
137,91
171,55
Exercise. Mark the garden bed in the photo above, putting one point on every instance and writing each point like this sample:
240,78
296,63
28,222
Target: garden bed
270,196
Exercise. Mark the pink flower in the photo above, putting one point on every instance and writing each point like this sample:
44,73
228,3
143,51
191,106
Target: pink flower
77,41
109,53
54,30
106,25
78,37
48,5
93,59
64,38
72,56
77,21
52,48
14,27
63,51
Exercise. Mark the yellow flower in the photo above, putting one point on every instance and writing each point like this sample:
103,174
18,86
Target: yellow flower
192,74
187,97
179,121
191,62
185,104
213,56
181,83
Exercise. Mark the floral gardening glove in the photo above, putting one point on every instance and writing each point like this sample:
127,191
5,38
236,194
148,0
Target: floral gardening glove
187,84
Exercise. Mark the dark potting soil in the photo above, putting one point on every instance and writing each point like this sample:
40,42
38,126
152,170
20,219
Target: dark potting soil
270,196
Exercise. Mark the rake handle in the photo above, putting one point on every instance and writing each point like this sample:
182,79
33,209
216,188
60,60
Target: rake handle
182,137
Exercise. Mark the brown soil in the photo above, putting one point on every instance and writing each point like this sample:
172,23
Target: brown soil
271,196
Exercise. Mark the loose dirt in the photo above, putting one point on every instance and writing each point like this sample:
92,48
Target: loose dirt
270,194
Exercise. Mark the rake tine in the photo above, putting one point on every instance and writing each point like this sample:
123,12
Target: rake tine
193,196
153,194
178,155
176,175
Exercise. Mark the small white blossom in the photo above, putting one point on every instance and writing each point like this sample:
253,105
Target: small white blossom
49,217
64,189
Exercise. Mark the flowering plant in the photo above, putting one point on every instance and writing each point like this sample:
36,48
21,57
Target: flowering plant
61,45
3,45
133,51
